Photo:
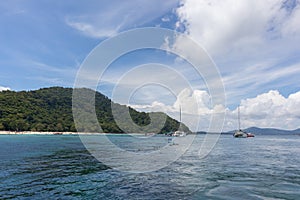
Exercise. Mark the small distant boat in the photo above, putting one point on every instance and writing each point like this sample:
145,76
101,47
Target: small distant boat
240,133
150,134
250,135
179,134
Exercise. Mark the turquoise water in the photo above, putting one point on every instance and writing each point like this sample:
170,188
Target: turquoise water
59,167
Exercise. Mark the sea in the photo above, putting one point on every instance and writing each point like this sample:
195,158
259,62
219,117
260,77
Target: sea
60,167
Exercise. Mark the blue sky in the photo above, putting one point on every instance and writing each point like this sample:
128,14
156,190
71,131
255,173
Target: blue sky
253,43
42,44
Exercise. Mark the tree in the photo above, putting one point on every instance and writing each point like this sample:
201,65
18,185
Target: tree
50,109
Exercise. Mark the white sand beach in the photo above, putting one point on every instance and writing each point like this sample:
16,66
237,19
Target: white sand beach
55,133
38,133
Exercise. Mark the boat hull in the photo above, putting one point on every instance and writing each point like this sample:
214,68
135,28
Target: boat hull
240,134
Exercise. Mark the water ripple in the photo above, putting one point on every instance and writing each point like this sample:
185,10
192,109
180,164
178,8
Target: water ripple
59,167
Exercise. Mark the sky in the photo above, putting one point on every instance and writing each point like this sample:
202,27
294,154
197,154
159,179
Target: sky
254,45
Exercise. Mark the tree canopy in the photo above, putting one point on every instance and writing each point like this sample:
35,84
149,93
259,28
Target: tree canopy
50,109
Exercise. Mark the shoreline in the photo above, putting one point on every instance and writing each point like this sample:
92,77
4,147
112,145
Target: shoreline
59,133
46,133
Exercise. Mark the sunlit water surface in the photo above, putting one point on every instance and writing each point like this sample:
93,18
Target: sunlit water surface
59,167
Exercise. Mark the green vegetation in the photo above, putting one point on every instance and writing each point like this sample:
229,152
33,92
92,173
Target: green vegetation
50,109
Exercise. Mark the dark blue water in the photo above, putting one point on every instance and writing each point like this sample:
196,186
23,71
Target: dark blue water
59,167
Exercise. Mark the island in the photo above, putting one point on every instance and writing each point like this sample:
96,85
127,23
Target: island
49,110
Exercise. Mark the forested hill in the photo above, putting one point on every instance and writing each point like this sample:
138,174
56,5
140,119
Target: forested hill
50,109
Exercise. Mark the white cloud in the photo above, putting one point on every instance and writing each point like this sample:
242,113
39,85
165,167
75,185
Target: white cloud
239,26
260,107
254,43
195,102
155,106
269,109
91,30
146,83
258,77
292,26
293,105
195,105
49,68
4,88
106,19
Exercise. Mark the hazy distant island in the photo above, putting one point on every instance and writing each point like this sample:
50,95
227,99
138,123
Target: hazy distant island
262,131
50,110
269,131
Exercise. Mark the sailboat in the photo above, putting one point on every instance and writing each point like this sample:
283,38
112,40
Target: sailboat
179,133
240,133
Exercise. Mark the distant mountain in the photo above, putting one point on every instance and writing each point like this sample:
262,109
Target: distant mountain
50,109
297,131
268,131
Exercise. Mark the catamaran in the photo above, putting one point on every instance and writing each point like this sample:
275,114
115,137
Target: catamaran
179,133
240,133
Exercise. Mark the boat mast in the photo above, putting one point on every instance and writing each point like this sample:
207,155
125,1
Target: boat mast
239,120
180,114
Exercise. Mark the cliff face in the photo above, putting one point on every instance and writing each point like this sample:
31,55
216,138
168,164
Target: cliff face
50,109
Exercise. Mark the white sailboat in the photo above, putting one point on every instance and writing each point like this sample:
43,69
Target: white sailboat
179,133
240,133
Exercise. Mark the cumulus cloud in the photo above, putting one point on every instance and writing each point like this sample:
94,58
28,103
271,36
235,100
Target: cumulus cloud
248,40
239,26
4,88
196,102
269,109
195,106
293,105
191,102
